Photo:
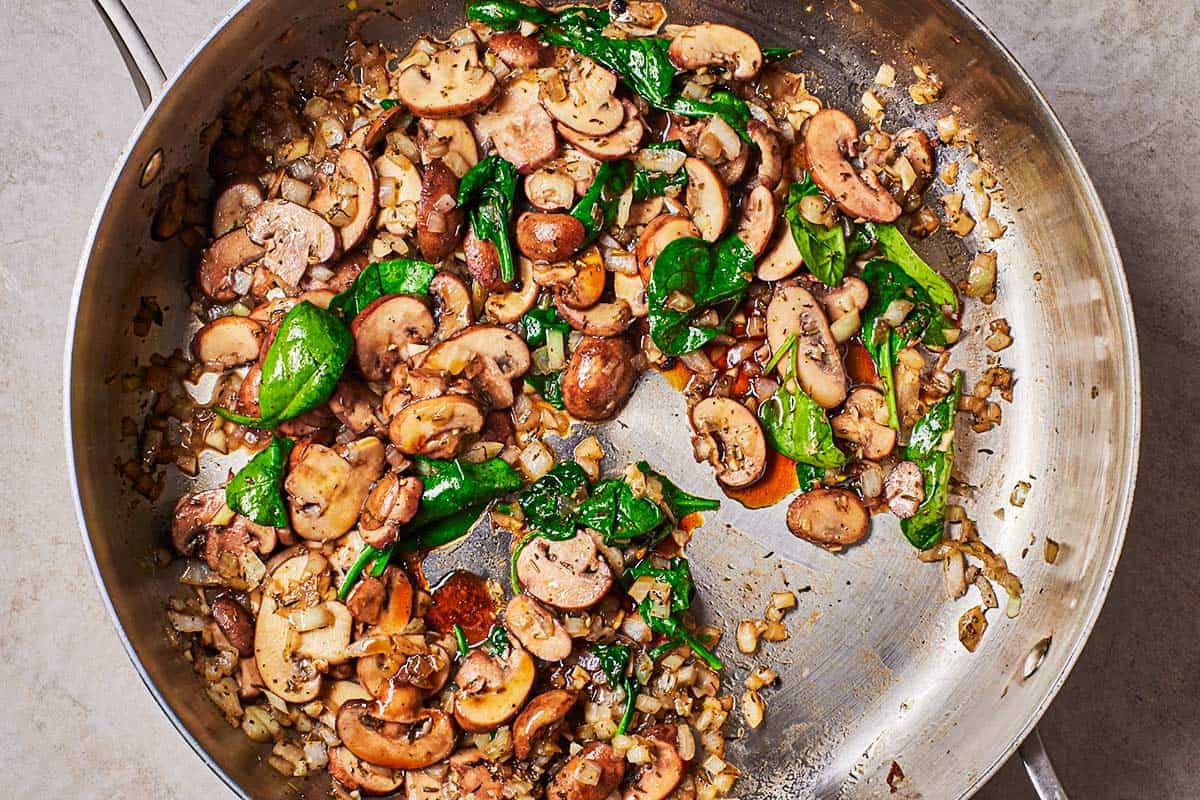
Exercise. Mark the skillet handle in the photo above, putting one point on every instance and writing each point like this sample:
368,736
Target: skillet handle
1041,771
145,71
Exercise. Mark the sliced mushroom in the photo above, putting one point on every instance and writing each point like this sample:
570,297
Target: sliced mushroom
356,775
392,503
656,779
632,290
770,154
567,574
295,236
593,773
453,84
367,137
400,189
587,282
599,378
327,644
451,141
228,342
519,127
392,744
904,489
435,427
712,45
490,356
794,311
828,140
850,297
384,330
730,439
537,629
452,302
707,198
864,421
348,197
439,219
483,262
235,622
193,513
508,307
610,146
659,233
326,488
284,670
540,716
221,261
355,405
832,518
235,200
757,220
602,319
365,601
549,189
516,50
399,608
335,693
492,688
782,259
549,237
581,95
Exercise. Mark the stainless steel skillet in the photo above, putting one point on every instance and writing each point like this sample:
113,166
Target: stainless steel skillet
873,673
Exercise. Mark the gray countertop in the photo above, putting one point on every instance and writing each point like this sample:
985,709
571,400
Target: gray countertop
1123,75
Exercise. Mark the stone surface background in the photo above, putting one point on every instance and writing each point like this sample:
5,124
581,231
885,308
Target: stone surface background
1123,75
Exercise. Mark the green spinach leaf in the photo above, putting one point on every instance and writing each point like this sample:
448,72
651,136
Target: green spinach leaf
497,642
617,514
773,55
720,102
504,15
549,503
549,386
808,476
931,447
677,574
799,429
487,191
395,276
453,485
706,273
823,249
538,321
614,663
680,503
256,491
597,209
896,249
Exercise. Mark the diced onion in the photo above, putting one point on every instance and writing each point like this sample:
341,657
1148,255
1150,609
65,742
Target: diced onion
536,460
846,326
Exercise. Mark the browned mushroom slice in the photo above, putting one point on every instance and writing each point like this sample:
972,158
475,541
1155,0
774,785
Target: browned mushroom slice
220,262
864,421
904,489
357,775
435,427
228,342
368,136
365,601
193,512
569,574
602,319
538,718
392,744
581,95
728,437
516,50
326,488
451,141
793,311
355,405
452,304
550,189
707,198
295,236
782,259
656,779
712,45
659,233
483,262
439,219
392,502
492,688
770,154
384,330
453,84
235,622
832,518
757,220
490,356
549,237
610,146
508,307
599,378
850,297
235,200
519,127
587,281
827,141
399,610
537,629
348,197
632,290
593,773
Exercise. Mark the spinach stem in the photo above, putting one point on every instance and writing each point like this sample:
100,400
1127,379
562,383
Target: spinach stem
367,555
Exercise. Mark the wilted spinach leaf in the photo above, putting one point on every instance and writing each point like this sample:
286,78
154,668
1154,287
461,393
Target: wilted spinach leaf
799,429
617,514
706,273
256,491
597,209
931,447
549,503
395,276
896,249
487,192
823,249
680,502
452,485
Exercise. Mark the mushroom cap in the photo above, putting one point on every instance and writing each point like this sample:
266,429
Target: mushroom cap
729,437
658,778
326,489
383,331
794,311
450,140
827,139
516,50
613,145
599,377
491,356
392,744
368,779
770,154
393,501
540,714
354,167
228,342
221,259
508,307
193,512
236,198
707,198
435,427
549,237
453,84
439,219
831,518
295,236
602,319
567,574
587,101
782,258
537,629
518,126
710,44
367,137
566,784
588,281
550,189
852,295
491,689
864,421
757,220
452,304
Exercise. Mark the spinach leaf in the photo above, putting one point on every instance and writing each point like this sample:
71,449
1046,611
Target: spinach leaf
597,209
503,15
366,558
256,491
808,476
388,102
708,274
549,503
452,485
931,447
617,514
652,184
302,366
444,531
720,102
497,642
799,429
773,55
823,249
680,502
460,639
549,386
487,191
896,249
538,321
677,574
614,663
395,276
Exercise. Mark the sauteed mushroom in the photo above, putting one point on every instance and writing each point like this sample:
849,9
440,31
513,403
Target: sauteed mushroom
228,342
392,744
599,377
222,260
591,774
794,312
659,233
656,779
904,489
540,716
508,307
236,199
516,50
367,779
392,502
439,219
711,45
454,83
827,141
782,259
449,140
610,146
537,629
730,439
707,199
864,421
384,330
294,237
832,518
582,97
757,219
602,319
492,688
567,574
351,213
326,488
452,301
492,357
435,427
519,127
549,237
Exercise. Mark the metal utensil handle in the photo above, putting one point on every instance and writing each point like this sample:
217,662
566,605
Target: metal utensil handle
1041,771
145,71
